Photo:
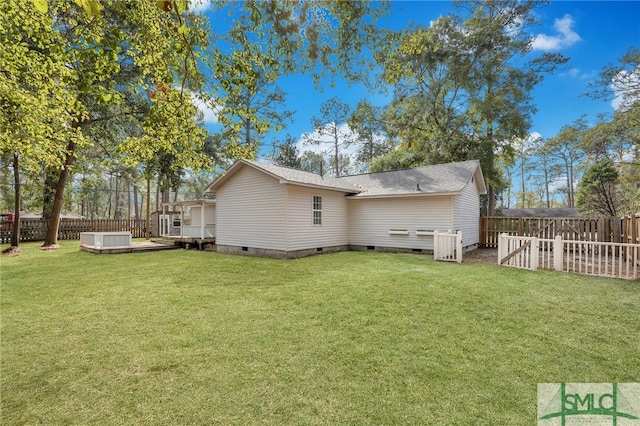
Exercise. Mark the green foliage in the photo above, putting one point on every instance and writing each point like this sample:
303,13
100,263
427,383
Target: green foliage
269,40
598,190
620,80
463,86
287,154
36,100
314,163
371,133
170,134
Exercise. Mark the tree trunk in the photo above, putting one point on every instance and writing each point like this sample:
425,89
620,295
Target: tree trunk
546,186
48,192
15,231
116,209
158,194
51,239
336,153
135,203
148,208
491,201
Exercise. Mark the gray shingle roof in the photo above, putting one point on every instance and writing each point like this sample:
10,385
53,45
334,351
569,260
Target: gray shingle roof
434,179
306,178
425,180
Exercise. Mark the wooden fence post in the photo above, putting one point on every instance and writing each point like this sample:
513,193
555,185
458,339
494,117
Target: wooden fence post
558,253
502,247
535,253
520,227
459,246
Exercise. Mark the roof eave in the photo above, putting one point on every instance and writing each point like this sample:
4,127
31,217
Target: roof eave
314,186
405,195
479,178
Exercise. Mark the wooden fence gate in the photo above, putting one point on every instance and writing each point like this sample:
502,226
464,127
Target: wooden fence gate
447,247
612,260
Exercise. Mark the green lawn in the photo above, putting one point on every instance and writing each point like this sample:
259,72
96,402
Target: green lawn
188,337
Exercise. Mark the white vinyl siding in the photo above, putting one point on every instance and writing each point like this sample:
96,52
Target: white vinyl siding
370,220
302,233
251,211
467,214
209,215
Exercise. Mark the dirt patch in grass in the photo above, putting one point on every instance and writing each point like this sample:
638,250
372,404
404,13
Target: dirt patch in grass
481,256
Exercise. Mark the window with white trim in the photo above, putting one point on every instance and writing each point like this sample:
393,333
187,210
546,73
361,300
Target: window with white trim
317,210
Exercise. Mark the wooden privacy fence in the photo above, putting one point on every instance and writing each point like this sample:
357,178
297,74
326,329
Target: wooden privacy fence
70,229
605,229
613,260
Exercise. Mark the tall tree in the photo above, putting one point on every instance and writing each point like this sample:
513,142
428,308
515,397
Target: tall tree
313,162
567,147
332,131
546,167
160,39
463,86
287,154
618,137
598,190
253,103
620,81
37,108
370,133
500,104
271,39
524,150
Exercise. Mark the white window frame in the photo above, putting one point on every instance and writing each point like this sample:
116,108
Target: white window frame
316,210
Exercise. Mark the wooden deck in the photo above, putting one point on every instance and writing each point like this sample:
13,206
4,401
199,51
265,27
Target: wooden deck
188,242
133,248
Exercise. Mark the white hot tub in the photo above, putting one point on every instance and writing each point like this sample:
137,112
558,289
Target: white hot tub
105,240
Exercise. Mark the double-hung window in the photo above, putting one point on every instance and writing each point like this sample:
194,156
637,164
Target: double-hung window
317,210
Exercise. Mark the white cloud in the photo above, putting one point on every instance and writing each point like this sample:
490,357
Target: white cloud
327,142
566,37
199,6
209,113
558,183
578,74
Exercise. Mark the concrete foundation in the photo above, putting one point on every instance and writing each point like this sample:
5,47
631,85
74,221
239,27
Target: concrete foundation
279,254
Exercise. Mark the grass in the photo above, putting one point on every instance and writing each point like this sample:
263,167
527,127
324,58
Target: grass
188,337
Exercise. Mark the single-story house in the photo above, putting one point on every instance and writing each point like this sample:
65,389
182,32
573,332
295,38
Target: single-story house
267,210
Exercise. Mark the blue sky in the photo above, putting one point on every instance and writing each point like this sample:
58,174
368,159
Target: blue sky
591,33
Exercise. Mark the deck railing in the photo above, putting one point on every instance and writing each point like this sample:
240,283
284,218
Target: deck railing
195,231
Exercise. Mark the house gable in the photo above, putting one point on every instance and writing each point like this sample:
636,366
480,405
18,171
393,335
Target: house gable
250,209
